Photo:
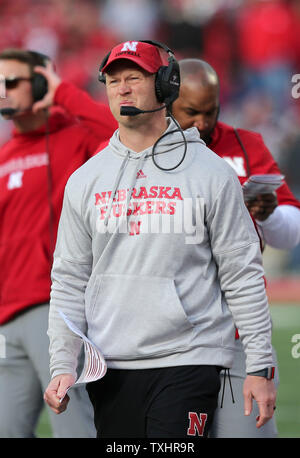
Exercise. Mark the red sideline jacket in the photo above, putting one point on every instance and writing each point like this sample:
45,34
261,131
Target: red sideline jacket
257,160
32,180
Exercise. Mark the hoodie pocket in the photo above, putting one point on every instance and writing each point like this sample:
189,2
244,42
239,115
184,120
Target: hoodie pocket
136,316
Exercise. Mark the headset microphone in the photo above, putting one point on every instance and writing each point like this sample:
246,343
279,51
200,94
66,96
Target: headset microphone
11,111
133,111
8,111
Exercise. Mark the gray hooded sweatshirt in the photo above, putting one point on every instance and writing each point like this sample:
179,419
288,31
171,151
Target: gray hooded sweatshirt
158,267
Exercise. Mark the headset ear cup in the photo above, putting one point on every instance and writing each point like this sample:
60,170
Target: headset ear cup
167,82
101,77
39,82
39,87
159,87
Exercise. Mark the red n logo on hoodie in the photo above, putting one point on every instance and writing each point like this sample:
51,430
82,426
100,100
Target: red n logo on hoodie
134,227
197,422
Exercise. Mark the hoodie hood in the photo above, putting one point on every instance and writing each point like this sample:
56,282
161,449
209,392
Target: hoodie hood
167,143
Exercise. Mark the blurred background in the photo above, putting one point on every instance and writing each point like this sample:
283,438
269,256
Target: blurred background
254,45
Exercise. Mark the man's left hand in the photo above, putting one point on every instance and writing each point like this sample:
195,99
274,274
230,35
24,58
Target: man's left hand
264,392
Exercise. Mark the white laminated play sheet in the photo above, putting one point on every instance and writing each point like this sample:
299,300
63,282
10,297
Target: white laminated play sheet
261,184
94,363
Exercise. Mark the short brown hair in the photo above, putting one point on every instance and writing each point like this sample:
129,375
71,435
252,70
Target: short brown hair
32,58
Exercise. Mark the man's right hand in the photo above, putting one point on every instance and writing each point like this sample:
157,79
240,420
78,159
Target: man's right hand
55,394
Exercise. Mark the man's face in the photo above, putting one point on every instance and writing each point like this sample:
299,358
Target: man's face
197,106
19,96
129,85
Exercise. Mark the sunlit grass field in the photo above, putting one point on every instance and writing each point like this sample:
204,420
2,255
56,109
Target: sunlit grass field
286,324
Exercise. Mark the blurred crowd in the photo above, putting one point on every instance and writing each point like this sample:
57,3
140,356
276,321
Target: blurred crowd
254,45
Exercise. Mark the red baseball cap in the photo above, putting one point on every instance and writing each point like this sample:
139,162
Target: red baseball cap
145,55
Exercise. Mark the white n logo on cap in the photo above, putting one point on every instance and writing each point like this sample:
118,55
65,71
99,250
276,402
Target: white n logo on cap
129,46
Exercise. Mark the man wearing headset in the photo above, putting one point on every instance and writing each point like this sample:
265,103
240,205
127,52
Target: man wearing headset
152,291
277,216
57,128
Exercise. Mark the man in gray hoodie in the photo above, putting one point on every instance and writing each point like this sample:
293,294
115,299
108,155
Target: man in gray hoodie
155,254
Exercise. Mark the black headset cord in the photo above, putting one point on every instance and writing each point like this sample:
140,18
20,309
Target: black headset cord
179,129
49,191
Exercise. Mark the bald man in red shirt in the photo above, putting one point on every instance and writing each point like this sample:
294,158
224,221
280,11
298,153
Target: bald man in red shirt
275,215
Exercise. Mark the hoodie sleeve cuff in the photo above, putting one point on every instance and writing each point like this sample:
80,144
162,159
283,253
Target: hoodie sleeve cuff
63,369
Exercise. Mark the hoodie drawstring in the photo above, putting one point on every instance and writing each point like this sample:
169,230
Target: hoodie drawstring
133,181
117,182
227,372
114,190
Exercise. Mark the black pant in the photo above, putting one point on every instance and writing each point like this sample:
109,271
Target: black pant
165,402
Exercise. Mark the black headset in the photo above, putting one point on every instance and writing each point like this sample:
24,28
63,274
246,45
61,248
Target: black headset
167,80
39,82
